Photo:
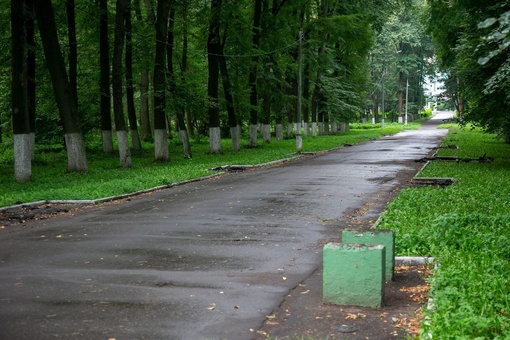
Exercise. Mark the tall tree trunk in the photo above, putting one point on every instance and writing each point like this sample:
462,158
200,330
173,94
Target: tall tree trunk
252,79
160,138
227,89
213,51
20,119
73,50
31,65
400,94
184,66
76,156
118,111
133,126
181,125
145,121
104,83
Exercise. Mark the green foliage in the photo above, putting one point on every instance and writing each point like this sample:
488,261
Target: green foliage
472,39
466,227
426,113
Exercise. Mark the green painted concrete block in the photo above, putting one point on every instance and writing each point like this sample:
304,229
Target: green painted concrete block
353,274
373,237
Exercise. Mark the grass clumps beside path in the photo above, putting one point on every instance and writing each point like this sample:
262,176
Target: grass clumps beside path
52,181
466,227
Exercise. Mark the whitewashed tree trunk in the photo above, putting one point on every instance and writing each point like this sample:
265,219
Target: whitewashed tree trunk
334,128
106,136
214,140
22,158
306,129
183,135
76,155
314,129
253,136
234,135
279,131
160,145
135,139
266,133
124,152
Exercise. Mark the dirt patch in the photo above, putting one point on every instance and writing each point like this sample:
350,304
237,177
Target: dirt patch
303,315
20,214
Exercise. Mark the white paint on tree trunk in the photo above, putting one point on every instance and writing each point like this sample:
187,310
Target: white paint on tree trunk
106,136
266,133
334,128
76,155
22,158
183,135
135,139
279,131
314,129
124,152
234,135
160,145
214,140
253,136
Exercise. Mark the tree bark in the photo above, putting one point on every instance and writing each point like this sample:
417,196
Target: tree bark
76,157
213,51
252,79
31,65
104,83
73,50
160,138
227,89
118,112
181,124
20,119
133,125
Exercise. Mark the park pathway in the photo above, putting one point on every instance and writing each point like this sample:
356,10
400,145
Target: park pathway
204,260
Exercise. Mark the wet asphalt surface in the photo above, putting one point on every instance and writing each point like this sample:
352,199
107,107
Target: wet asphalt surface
205,260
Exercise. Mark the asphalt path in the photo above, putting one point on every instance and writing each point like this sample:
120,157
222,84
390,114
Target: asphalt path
204,260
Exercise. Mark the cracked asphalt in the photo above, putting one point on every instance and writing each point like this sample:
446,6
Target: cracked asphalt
204,260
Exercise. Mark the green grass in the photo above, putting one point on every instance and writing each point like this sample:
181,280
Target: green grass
52,181
467,228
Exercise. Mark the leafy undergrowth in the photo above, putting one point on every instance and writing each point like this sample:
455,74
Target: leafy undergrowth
52,181
466,227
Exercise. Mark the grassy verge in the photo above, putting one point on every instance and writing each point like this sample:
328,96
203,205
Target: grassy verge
467,228
51,180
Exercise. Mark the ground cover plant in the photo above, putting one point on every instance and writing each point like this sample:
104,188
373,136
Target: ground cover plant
466,227
52,181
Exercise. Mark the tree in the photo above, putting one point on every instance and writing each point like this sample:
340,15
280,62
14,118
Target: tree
181,124
213,51
477,33
76,156
160,138
20,119
133,125
118,111
104,63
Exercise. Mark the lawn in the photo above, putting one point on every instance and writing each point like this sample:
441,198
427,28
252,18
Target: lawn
466,228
